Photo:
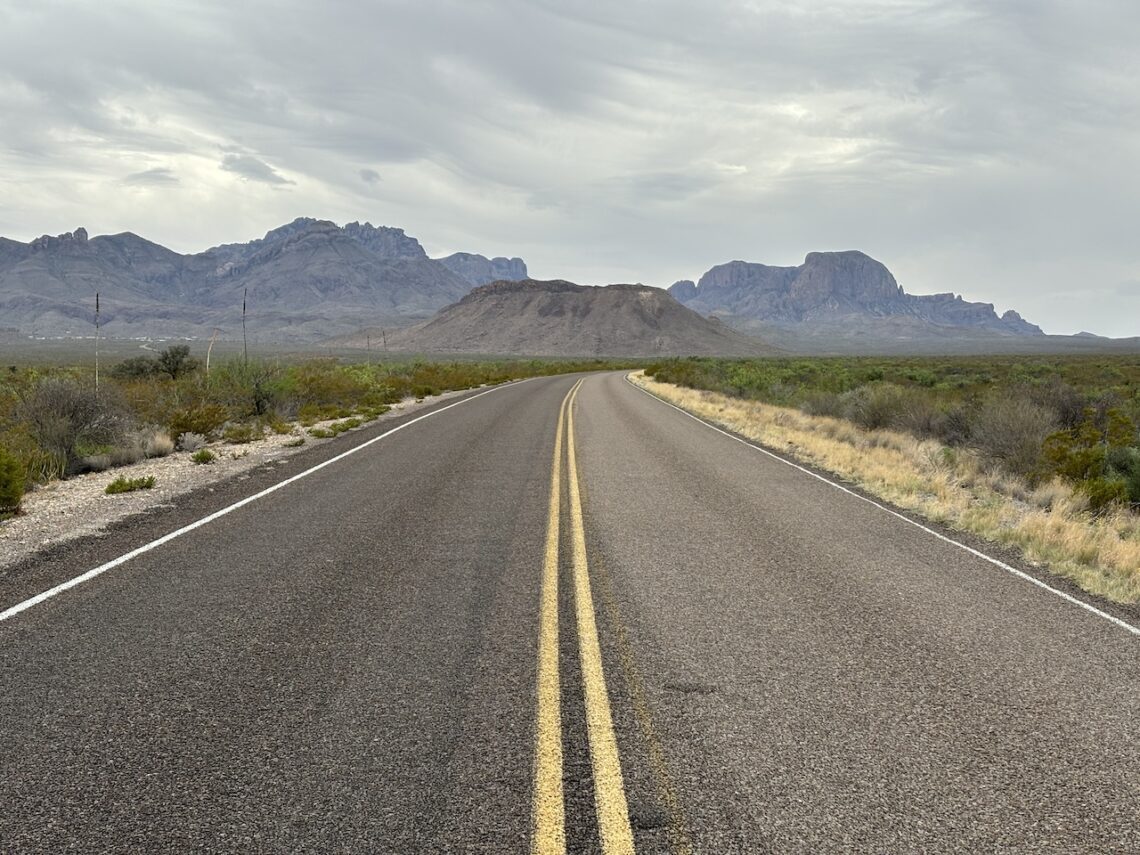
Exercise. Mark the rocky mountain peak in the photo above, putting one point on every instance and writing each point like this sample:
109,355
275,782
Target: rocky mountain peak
683,290
837,293
385,241
480,270
47,242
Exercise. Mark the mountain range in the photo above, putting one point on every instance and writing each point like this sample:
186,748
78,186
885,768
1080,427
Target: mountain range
835,299
312,281
304,281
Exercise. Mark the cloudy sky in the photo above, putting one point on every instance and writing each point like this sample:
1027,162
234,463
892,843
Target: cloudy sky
986,147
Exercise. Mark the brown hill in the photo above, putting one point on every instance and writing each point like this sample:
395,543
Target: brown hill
559,318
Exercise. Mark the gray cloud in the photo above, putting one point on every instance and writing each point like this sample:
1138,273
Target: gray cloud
990,147
252,169
157,177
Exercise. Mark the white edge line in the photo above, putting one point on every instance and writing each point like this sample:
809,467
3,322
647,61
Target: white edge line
154,544
1019,573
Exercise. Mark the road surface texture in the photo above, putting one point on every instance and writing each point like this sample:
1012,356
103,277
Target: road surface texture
558,615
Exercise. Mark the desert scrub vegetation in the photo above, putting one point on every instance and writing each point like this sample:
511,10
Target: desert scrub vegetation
203,455
1038,418
55,424
1053,521
129,485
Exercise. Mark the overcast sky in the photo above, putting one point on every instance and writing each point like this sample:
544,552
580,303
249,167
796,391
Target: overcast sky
989,148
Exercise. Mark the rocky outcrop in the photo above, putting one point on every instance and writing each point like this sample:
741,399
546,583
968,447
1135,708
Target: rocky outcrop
385,241
835,288
47,242
559,318
480,270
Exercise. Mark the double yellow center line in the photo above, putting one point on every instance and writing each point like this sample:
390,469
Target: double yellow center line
549,832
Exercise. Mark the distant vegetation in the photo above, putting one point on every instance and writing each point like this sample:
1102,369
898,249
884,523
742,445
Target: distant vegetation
1038,418
53,423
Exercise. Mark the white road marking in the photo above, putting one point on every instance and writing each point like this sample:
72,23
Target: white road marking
154,544
1127,627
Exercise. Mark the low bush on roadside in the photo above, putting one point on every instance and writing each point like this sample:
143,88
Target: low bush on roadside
12,477
68,421
239,434
129,485
203,455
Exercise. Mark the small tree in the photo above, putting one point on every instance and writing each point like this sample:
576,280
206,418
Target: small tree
176,361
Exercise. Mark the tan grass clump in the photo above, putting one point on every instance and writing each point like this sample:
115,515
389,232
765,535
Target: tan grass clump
1050,524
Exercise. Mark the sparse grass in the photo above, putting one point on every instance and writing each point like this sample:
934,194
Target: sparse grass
203,455
346,425
294,443
129,485
321,433
1050,523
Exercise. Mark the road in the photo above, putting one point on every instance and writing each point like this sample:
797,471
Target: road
558,615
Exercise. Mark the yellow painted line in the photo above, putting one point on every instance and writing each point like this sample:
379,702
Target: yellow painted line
548,810
609,790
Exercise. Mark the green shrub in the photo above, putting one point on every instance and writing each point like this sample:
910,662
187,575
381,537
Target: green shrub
203,419
203,455
346,425
1104,492
129,485
135,368
238,434
294,443
11,483
321,433
176,361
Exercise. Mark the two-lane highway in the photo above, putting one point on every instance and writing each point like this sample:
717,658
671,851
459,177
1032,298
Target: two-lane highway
559,615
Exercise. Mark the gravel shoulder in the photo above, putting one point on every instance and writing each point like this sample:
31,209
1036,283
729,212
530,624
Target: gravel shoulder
63,511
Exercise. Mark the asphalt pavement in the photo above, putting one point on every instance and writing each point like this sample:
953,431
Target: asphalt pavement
556,616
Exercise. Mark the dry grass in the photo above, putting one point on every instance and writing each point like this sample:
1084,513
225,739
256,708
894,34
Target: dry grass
1050,525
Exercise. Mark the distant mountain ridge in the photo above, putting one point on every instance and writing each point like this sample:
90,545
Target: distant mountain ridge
832,291
560,318
303,281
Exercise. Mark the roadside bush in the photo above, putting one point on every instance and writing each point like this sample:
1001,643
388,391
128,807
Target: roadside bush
823,404
203,455
190,441
64,418
238,434
874,406
1104,492
11,483
203,419
1010,431
250,389
158,444
129,485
